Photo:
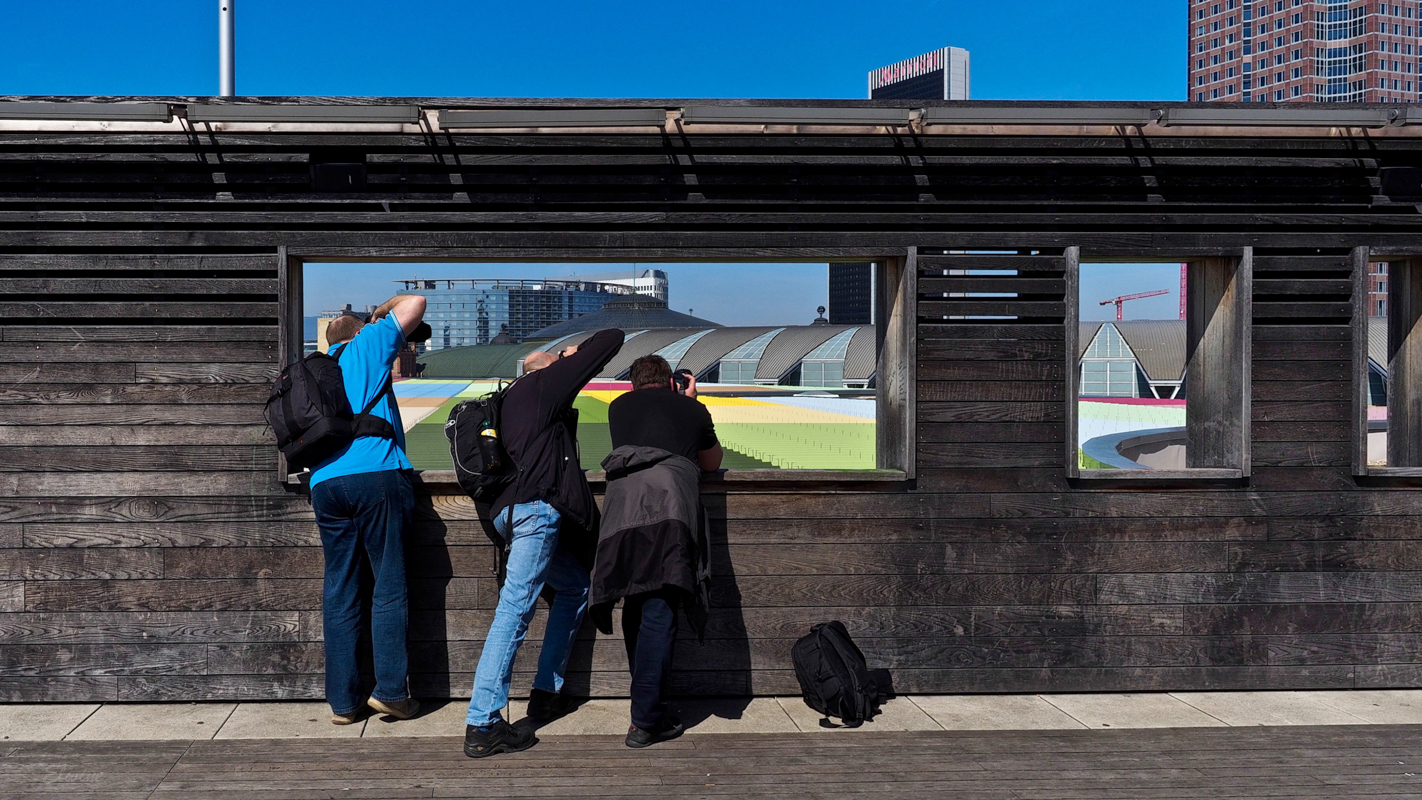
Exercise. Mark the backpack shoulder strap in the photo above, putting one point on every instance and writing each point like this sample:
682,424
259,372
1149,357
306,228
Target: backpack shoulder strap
368,424
852,661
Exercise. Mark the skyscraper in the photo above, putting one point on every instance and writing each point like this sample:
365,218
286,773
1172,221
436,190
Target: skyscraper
939,75
1309,51
851,293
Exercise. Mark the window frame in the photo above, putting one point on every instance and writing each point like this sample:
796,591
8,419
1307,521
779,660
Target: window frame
1404,312
1229,347
896,294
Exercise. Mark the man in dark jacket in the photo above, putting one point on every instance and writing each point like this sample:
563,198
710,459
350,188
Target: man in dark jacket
652,547
550,541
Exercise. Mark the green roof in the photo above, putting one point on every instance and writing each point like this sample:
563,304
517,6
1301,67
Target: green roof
476,361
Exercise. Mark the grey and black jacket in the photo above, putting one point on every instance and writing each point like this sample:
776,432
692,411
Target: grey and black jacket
652,533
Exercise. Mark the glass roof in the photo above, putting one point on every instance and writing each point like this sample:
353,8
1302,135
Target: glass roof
674,351
834,349
755,347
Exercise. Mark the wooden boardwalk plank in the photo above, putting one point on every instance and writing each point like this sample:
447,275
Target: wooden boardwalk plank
1342,761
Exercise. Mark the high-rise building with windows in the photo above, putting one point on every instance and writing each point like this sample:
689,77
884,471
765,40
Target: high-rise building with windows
464,311
851,293
939,75
1309,51
1377,289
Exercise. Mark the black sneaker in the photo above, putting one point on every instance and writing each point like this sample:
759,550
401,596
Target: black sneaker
501,737
548,706
668,729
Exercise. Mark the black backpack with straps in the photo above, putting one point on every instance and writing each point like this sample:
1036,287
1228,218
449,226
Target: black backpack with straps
834,677
475,432
311,416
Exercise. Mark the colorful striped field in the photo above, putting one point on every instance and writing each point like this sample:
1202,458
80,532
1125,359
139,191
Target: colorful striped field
757,432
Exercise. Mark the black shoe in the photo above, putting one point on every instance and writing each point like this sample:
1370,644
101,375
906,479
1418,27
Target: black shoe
501,737
548,706
668,729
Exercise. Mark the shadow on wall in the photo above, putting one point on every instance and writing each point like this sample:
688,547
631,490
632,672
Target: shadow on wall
721,666
430,571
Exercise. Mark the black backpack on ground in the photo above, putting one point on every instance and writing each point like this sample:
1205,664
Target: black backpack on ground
475,432
834,677
311,416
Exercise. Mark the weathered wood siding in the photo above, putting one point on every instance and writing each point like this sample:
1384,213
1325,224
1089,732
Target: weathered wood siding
150,552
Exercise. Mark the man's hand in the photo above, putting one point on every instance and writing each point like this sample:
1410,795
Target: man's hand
690,387
409,311
567,351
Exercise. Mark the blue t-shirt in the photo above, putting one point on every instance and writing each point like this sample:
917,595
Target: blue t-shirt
365,366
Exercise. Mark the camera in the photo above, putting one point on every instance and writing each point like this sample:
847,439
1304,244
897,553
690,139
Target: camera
682,378
421,333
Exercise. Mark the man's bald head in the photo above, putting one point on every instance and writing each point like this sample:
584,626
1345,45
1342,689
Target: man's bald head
538,360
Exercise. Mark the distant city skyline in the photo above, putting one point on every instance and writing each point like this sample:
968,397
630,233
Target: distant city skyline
728,293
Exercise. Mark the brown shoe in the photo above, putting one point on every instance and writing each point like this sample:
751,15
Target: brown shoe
345,719
404,709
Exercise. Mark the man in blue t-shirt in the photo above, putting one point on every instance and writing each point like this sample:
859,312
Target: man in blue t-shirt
364,499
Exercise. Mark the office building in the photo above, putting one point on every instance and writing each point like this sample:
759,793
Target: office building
1303,51
1377,289
851,293
474,311
651,282
938,75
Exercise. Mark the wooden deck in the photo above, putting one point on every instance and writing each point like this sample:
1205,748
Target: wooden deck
1334,761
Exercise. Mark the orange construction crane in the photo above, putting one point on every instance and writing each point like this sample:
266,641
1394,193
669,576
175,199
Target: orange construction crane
1123,298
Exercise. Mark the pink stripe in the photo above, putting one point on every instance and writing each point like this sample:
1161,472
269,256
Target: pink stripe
1134,401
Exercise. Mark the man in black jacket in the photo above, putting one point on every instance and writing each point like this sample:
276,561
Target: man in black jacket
550,541
652,547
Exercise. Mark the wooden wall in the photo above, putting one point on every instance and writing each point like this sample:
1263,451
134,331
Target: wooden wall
150,552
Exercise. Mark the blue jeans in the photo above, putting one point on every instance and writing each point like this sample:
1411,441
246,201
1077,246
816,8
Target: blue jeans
534,559
649,632
363,518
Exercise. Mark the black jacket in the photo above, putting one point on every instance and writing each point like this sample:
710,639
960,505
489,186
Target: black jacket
540,434
651,534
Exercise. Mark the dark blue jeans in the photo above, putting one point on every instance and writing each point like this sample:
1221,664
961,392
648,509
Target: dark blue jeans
649,631
363,519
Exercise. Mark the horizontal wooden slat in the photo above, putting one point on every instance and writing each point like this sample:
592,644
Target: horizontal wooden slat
132,393
138,333
212,308
135,414
987,350
988,307
81,352
134,459
928,287
150,287
117,264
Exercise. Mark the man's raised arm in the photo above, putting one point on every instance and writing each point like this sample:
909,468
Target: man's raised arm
576,366
409,311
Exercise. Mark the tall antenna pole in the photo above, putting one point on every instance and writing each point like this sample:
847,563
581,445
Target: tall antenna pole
227,48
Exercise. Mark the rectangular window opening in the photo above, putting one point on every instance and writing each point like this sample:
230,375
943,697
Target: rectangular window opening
788,356
1158,383
1387,368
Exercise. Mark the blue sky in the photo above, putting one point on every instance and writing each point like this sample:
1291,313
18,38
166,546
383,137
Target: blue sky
1029,49
731,294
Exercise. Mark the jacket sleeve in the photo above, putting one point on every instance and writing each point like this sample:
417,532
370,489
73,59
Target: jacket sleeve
564,378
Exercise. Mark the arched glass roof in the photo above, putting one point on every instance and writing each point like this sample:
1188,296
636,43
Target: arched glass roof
754,348
674,351
833,349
